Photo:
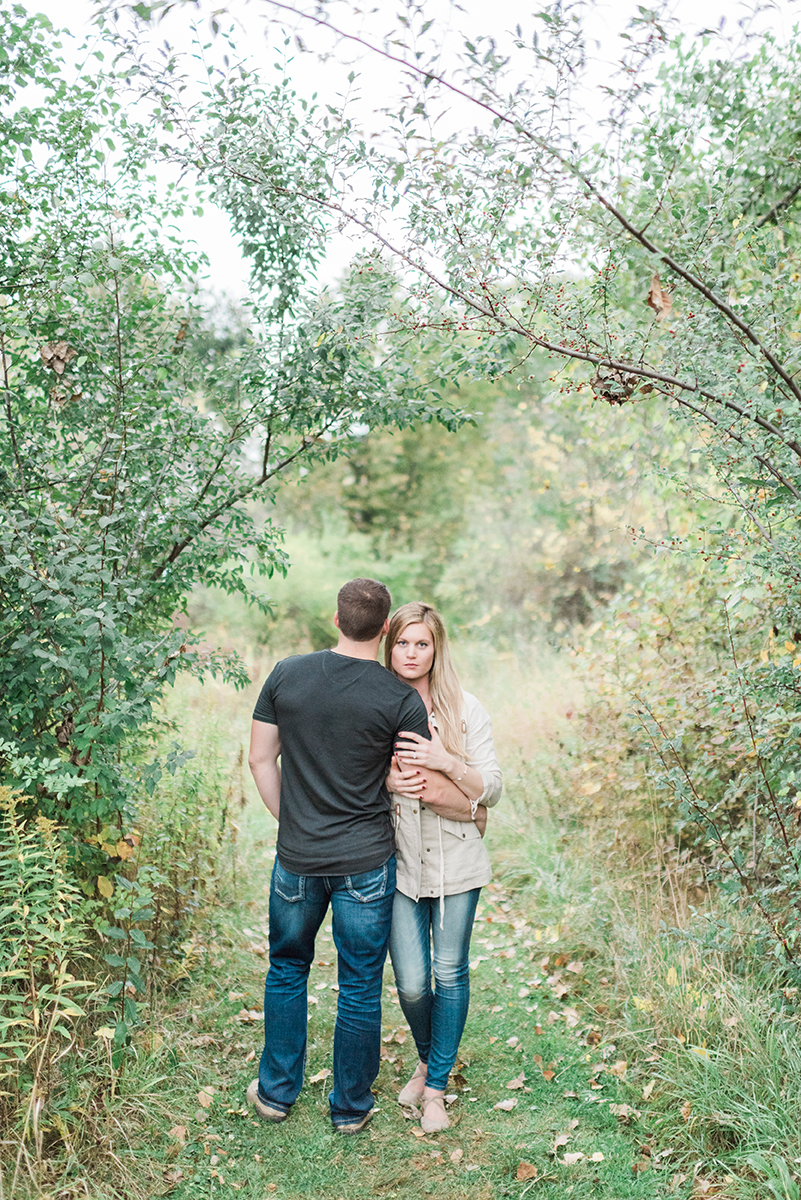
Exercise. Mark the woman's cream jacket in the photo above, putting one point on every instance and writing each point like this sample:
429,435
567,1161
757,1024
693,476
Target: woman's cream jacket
437,856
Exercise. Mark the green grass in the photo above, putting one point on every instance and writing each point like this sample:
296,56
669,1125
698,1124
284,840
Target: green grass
224,1149
683,1077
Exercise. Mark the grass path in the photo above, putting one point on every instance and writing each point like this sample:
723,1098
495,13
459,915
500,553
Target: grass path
567,1125
542,1107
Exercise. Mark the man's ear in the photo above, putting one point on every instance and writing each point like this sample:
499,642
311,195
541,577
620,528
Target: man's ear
385,628
336,619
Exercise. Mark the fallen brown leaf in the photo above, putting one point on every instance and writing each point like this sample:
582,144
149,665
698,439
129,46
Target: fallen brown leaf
506,1105
249,1015
320,1076
178,1132
205,1097
526,1170
624,1113
517,1082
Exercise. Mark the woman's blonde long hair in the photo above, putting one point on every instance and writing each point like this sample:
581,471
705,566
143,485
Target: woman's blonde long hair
443,682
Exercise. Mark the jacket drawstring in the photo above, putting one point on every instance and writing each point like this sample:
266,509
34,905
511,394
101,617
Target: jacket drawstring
441,876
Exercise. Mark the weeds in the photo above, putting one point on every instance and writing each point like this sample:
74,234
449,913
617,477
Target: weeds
44,940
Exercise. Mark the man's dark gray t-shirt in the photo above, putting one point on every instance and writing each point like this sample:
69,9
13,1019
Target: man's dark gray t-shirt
338,719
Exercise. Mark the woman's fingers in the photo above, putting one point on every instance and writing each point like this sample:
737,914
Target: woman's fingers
410,788
411,742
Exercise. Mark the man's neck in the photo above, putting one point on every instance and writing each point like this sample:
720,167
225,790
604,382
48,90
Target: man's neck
350,649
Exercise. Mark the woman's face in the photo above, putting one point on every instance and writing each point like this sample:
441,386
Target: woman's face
413,653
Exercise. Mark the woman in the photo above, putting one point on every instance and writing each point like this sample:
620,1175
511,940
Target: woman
439,792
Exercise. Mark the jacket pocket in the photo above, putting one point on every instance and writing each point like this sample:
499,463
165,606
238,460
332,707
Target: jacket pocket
463,830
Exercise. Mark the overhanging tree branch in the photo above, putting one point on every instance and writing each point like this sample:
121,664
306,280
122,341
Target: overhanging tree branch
637,235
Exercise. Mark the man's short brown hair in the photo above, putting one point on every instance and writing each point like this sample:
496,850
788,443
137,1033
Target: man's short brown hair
362,608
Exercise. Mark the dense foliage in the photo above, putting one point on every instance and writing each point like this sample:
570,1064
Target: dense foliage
133,438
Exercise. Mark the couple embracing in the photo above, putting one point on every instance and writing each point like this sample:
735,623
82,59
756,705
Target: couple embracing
381,799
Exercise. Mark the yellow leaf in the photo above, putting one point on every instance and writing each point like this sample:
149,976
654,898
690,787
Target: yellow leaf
672,978
105,886
597,1156
642,1004
320,1076
124,849
106,1032
700,1051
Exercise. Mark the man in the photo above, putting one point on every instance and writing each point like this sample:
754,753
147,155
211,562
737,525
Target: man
333,718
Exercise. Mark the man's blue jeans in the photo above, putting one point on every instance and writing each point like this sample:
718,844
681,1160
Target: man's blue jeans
361,907
436,1017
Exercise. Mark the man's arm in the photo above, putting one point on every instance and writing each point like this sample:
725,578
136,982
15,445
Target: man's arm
444,798
437,792
265,747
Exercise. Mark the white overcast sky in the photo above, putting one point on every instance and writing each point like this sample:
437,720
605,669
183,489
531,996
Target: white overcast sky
607,19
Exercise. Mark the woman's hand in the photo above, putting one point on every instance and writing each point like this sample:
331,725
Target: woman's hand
405,781
416,751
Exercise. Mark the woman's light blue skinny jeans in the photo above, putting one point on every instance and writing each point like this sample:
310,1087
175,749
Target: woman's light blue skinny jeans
436,1015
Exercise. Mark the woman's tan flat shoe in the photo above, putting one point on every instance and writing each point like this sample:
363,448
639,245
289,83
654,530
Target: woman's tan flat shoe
413,1092
434,1118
